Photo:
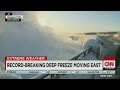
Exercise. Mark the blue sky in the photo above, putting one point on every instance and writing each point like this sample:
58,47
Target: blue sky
83,21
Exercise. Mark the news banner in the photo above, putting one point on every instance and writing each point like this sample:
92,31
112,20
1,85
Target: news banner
41,65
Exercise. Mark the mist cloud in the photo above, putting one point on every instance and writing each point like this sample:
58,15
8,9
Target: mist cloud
26,38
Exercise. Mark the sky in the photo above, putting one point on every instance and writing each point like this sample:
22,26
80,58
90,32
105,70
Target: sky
75,21
82,21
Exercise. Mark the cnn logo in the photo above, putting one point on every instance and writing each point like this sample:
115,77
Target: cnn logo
109,64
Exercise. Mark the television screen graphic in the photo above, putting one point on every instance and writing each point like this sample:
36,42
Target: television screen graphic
59,45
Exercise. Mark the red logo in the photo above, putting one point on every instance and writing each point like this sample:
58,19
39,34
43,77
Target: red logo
109,62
